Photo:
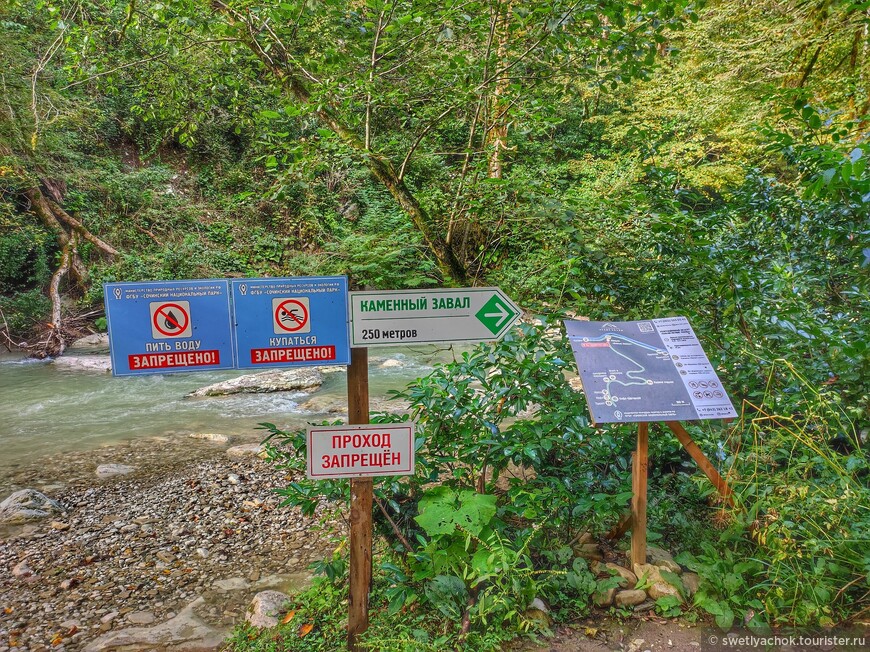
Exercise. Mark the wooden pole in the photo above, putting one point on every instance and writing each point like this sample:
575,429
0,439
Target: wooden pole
701,460
638,499
360,506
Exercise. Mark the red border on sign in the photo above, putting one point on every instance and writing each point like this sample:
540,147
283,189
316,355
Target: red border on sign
301,323
181,328
358,474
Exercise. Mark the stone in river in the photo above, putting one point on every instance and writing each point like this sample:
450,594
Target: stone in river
210,436
101,363
94,341
277,380
109,470
28,505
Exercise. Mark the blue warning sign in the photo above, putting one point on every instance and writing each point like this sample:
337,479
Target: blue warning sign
169,326
291,322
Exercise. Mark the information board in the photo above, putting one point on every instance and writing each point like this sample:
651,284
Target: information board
357,451
642,371
291,322
383,318
169,326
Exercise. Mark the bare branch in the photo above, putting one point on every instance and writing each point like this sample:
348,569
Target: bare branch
156,57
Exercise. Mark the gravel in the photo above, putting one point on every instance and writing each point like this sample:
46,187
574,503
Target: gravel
191,522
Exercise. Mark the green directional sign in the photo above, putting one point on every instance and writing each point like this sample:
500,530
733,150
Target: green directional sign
430,316
496,314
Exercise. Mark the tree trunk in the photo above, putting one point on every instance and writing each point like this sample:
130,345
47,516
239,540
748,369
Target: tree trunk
380,166
67,231
496,136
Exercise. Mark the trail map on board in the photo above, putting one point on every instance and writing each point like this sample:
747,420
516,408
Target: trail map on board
652,370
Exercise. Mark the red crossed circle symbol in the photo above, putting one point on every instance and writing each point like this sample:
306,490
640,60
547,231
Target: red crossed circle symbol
172,319
286,317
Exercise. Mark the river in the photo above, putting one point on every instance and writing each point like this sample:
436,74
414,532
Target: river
48,409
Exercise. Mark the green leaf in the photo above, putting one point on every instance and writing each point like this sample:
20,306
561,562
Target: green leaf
726,618
448,594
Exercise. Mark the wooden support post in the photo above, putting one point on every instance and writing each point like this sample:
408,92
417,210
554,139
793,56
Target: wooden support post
701,460
622,526
360,506
638,499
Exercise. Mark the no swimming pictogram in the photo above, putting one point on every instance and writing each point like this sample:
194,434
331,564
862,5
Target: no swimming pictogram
170,319
291,315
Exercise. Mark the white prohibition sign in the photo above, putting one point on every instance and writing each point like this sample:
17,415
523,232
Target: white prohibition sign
170,319
291,315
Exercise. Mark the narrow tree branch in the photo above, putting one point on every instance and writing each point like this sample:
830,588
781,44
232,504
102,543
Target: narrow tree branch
79,228
156,57
372,65
420,138
395,528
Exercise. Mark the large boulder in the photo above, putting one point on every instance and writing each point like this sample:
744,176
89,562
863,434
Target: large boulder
28,505
266,608
98,363
276,380
94,342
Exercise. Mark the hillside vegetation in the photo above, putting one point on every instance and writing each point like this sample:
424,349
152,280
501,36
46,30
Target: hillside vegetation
616,160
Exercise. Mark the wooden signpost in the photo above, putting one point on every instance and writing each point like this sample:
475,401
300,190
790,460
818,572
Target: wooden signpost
403,317
361,495
644,372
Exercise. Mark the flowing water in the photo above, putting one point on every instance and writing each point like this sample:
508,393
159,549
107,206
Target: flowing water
48,409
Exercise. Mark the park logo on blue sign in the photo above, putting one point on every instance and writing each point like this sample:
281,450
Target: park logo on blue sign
169,326
291,322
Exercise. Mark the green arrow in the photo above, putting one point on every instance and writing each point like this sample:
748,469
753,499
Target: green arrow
495,314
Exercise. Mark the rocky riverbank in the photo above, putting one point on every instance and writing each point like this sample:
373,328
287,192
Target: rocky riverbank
167,552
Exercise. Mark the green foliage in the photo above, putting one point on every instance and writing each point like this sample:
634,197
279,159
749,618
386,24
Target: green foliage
24,311
25,253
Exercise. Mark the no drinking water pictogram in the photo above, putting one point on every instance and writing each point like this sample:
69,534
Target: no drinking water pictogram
170,319
291,315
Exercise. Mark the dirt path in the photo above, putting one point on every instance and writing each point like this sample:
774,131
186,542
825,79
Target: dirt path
635,635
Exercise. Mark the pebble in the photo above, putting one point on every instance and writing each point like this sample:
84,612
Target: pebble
21,569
